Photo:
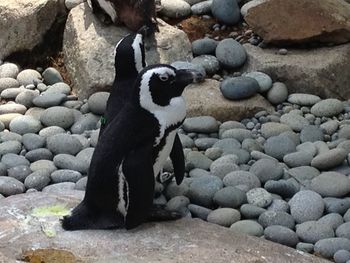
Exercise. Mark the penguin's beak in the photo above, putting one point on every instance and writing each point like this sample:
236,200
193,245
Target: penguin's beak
185,77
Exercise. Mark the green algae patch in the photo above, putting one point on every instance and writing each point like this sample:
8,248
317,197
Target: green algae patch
54,210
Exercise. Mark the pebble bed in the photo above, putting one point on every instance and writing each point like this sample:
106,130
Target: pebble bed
282,176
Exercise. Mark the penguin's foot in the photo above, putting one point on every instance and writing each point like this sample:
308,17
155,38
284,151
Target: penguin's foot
159,213
84,218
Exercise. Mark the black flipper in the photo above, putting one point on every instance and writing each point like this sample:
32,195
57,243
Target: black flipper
159,213
178,159
138,171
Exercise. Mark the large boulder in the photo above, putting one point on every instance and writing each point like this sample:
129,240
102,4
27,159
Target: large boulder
207,99
88,47
301,21
30,226
24,22
321,71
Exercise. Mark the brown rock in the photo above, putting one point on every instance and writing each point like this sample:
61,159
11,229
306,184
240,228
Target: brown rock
25,231
323,71
206,99
301,21
88,47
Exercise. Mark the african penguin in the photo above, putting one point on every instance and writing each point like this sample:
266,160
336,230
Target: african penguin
132,13
120,186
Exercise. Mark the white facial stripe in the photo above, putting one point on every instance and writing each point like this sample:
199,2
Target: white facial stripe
137,52
108,7
167,115
164,153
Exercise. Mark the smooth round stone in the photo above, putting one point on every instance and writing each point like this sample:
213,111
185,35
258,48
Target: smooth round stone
228,125
87,122
178,204
230,197
238,134
266,169
52,76
50,131
313,231
250,4
35,112
283,188
337,205
9,70
10,136
308,147
227,145
2,126
298,159
278,93
175,8
305,247
279,205
70,162
224,216
94,138
198,172
201,8
347,216
81,184
344,132
188,65
12,160
84,157
295,121
303,99
203,189
343,230
242,178
47,165
264,80
20,172
10,147
64,143
65,175
209,62
256,155
39,154
48,100
8,83
59,87
251,211
204,46
306,206
311,133
259,197
321,147
58,116
202,124
279,146
333,220
38,179
270,218
226,12
25,124
59,187
196,159
12,108
239,88
28,76
199,211
270,129
26,97
82,139
247,227
251,145
330,126
205,143
327,108
10,186
213,153
231,54
97,102
331,184
341,256
72,104
281,235
327,247
32,141
224,165
11,93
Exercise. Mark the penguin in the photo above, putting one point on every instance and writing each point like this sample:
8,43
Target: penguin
120,186
131,13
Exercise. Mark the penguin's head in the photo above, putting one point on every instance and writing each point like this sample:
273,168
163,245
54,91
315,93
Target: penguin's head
129,56
160,85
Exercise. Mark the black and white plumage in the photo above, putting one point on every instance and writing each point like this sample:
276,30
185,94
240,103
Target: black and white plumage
120,187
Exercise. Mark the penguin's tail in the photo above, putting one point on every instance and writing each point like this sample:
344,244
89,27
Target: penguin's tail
83,217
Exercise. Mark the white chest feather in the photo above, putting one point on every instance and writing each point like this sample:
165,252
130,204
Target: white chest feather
164,153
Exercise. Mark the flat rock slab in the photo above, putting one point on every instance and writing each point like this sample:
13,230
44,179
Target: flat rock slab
26,224
318,71
207,99
88,48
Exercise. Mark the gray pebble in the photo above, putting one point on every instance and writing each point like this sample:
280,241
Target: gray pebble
50,131
9,70
313,231
39,154
251,211
10,147
341,256
47,165
202,124
48,100
204,46
10,186
311,133
25,124
264,80
279,146
337,205
333,220
28,76
251,145
196,159
58,116
224,216
70,162
81,184
32,141
327,108
238,134
298,159
204,143
278,93
202,8
237,178
52,76
26,98
281,235
65,175
175,8
11,107
231,54
11,93
303,99
199,211
305,247
59,87
295,121
279,205
227,12
230,197
12,160
247,227
213,153
209,62
7,83
283,188
270,218
308,147
239,88
330,126
64,143
97,102
224,165
266,169
59,188
227,145
259,197
270,129
327,247
19,172
343,230
331,184
87,122
38,179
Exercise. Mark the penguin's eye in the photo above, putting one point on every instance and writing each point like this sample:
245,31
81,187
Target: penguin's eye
163,77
